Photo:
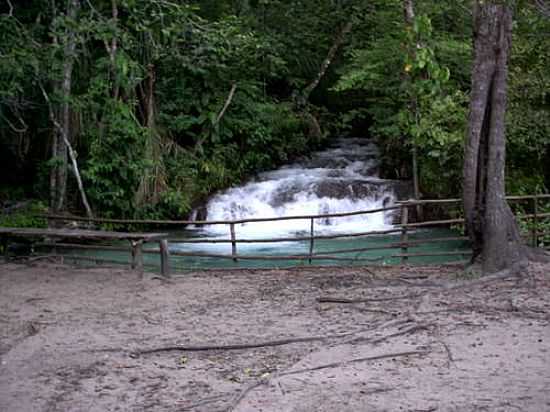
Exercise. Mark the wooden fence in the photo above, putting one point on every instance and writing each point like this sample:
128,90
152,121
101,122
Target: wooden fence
402,230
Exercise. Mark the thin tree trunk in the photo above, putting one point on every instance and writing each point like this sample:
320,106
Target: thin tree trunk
65,130
53,172
326,63
72,154
112,50
219,117
153,180
61,142
150,98
226,104
76,173
408,9
54,187
490,223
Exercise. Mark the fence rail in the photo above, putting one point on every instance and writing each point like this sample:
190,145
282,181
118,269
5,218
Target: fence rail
218,222
404,230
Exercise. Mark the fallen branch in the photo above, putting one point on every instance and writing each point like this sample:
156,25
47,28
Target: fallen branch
426,284
356,360
281,342
414,328
329,299
241,395
407,331
238,346
264,381
449,353
204,401
382,311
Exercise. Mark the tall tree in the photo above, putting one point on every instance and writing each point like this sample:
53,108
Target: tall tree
408,9
490,223
61,115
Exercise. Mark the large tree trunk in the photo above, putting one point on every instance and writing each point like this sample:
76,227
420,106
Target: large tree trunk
489,221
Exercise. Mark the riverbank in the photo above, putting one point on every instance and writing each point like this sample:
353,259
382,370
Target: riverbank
407,341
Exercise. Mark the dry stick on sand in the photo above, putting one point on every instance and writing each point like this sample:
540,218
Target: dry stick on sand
211,399
407,331
448,351
264,381
330,299
414,328
203,348
281,342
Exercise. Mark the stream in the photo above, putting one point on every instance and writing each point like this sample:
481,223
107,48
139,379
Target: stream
344,177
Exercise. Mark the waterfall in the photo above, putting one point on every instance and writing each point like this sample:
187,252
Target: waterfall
342,178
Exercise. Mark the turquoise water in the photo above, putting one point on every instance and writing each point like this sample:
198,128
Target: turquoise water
333,184
458,250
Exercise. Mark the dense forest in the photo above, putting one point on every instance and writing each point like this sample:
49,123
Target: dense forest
143,108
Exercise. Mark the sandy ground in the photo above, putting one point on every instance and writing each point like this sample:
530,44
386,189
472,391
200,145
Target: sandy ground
70,337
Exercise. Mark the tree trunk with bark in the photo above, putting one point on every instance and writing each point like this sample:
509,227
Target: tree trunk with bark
153,179
338,41
60,116
112,49
490,223
58,179
408,9
302,98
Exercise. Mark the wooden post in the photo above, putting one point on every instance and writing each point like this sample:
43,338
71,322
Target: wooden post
311,240
133,255
164,258
404,235
534,229
233,242
137,256
5,243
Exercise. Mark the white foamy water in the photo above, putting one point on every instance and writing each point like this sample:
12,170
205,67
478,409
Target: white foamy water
343,178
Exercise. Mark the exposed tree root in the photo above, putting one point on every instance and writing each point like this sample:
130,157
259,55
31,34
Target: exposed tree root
266,380
204,401
329,299
407,331
204,348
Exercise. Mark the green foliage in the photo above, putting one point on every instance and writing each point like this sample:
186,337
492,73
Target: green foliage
147,120
115,162
26,216
412,100
440,139
528,116
253,138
